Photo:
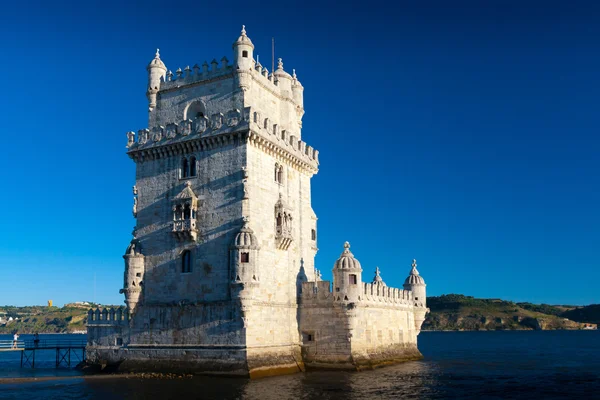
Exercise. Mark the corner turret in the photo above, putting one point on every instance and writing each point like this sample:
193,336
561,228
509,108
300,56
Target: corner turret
283,79
416,284
156,71
243,52
134,274
347,277
298,94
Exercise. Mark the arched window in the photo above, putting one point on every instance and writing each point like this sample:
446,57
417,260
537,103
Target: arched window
185,168
192,166
194,110
186,212
186,262
276,172
255,117
178,213
266,126
280,175
279,220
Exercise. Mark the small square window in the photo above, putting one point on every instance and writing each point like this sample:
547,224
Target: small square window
353,280
337,289
138,274
119,341
245,257
245,53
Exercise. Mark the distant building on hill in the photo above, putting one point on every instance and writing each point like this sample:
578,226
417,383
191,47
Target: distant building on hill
220,274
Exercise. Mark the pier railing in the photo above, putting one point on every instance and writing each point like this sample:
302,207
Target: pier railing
9,345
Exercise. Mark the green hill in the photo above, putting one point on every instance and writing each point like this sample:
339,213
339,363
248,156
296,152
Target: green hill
459,312
448,312
43,319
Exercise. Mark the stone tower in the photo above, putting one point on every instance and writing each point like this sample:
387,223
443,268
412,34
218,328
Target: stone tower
220,274
224,224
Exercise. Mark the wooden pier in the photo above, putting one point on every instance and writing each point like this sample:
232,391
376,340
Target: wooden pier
67,351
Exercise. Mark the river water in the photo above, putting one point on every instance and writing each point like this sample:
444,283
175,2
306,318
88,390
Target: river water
461,365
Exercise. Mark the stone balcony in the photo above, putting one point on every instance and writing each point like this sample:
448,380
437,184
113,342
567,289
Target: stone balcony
185,229
283,237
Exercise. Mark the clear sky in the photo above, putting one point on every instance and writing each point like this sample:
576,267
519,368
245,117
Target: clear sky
462,134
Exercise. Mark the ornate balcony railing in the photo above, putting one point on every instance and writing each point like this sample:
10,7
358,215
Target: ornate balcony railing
283,237
185,229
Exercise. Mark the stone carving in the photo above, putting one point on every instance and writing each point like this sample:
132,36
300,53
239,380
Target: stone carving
157,133
171,131
130,139
200,125
143,136
135,207
233,117
185,127
216,121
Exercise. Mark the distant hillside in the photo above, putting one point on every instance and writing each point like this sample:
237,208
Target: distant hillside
42,319
589,313
459,312
448,312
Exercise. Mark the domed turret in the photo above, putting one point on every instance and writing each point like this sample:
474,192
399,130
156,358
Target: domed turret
377,280
347,276
297,92
134,274
243,52
156,71
284,80
244,256
415,283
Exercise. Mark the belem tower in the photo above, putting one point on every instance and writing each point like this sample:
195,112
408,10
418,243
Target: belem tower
220,274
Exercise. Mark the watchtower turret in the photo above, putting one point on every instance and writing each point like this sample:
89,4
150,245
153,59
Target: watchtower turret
347,276
156,71
134,275
243,52
416,284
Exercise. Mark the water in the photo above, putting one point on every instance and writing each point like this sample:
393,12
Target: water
464,365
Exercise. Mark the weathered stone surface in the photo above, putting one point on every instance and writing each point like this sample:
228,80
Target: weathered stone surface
220,274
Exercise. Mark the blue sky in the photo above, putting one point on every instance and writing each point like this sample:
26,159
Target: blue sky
462,134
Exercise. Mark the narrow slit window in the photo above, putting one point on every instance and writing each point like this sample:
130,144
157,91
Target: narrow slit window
192,166
186,262
185,168
313,234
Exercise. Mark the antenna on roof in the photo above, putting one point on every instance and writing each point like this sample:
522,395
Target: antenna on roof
272,55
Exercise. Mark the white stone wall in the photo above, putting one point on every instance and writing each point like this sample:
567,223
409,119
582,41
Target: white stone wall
219,188
281,271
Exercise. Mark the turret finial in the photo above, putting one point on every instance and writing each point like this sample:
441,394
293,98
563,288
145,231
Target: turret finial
157,55
243,30
279,63
414,264
294,73
246,219
346,245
